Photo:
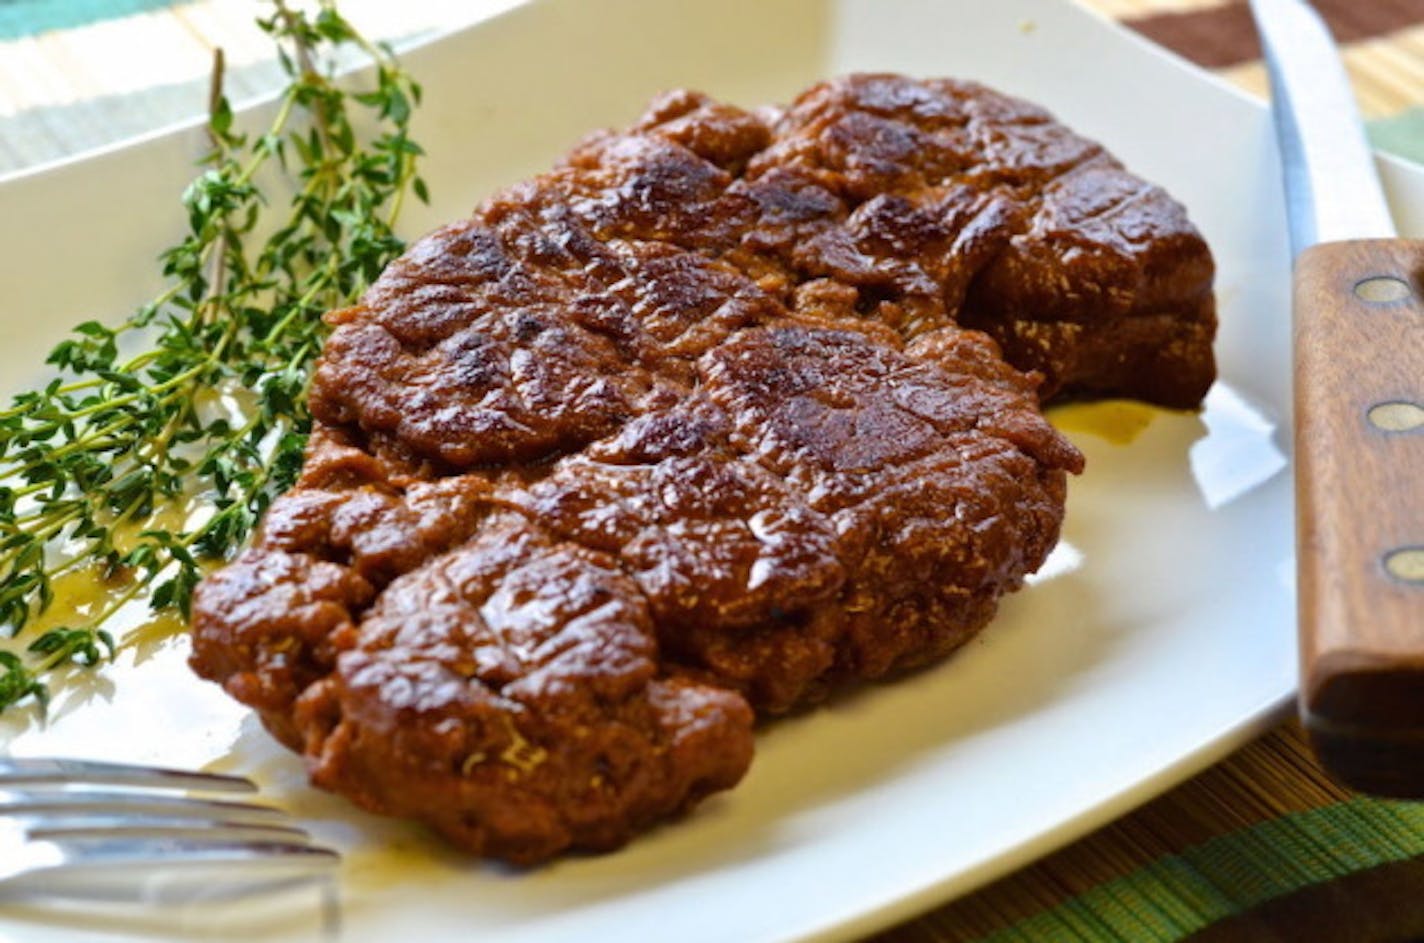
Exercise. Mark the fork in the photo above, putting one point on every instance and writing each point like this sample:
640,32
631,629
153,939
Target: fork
91,829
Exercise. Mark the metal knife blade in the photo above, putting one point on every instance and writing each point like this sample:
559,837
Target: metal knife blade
1358,318
1332,190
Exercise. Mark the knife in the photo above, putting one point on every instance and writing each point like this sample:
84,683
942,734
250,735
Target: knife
1359,422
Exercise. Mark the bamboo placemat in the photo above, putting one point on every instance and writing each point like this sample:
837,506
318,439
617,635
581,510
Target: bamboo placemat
1261,847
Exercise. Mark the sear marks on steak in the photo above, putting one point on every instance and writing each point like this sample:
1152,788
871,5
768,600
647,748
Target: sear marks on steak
720,415
823,508
509,694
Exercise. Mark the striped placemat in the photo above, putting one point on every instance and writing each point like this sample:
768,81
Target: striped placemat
80,74
71,71
1383,49
1261,847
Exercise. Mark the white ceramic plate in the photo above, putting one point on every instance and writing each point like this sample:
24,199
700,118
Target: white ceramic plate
1159,637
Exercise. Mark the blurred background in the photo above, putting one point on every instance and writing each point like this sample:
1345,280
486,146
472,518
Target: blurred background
80,74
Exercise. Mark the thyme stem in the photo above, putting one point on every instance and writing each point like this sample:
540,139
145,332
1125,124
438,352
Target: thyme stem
87,458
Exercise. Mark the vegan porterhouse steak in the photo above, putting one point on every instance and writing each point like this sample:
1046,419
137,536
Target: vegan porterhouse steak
708,421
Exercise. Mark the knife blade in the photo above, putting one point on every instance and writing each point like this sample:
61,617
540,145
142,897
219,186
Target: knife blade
1358,339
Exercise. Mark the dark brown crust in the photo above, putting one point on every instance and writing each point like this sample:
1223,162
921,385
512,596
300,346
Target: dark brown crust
685,427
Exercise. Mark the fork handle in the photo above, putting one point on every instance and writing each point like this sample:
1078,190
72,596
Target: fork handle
1359,444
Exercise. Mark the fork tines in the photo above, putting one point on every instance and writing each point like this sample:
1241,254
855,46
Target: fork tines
28,771
116,803
61,817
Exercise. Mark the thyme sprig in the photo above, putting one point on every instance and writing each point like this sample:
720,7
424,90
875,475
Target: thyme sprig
212,407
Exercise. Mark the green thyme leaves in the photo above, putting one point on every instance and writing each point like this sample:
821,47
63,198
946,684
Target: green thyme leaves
192,412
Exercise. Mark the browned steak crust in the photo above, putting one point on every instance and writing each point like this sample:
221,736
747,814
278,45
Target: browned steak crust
689,426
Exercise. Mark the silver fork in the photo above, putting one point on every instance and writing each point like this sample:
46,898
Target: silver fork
104,830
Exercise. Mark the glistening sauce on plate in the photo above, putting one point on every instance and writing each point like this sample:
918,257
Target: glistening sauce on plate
1119,421
142,707
83,593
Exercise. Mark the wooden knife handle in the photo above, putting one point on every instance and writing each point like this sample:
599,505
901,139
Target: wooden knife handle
1359,444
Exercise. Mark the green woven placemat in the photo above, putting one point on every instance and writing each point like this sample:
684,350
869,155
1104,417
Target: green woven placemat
1179,895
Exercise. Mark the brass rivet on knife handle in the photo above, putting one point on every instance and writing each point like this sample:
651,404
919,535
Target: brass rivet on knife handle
1396,416
1406,564
1359,339
1382,289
